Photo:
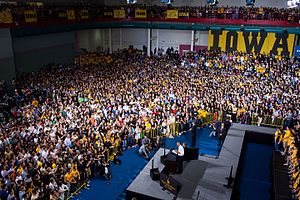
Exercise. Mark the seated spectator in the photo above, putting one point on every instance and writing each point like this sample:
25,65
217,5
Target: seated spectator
143,151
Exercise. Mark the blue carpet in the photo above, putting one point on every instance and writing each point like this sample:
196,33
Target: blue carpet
207,145
255,180
122,176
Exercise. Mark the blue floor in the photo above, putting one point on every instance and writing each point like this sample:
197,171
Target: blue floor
122,176
207,145
254,182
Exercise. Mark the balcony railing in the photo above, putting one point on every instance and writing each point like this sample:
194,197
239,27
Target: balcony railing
36,16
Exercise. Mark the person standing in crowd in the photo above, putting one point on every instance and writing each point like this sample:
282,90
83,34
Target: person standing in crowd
214,130
277,139
222,134
193,134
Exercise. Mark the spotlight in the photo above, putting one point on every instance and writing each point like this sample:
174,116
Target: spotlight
167,1
131,1
250,2
212,2
293,3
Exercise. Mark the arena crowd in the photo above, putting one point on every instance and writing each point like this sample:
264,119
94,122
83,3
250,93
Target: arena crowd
69,120
47,12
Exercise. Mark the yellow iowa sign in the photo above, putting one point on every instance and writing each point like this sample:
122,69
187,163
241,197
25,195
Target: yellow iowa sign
259,42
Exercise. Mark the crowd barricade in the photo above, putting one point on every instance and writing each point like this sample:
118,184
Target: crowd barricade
111,153
69,196
172,129
155,132
267,120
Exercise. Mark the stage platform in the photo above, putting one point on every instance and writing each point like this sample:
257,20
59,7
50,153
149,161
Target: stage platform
202,179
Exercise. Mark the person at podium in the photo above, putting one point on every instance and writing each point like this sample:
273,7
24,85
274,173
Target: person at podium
180,153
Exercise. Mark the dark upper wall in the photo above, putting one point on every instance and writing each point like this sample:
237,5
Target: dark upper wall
7,66
33,52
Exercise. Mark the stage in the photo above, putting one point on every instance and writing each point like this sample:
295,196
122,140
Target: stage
193,171
201,179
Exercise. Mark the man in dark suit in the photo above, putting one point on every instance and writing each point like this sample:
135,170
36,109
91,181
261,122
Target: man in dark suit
222,134
193,134
227,124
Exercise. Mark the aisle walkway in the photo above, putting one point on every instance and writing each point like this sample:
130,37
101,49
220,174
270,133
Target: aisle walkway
122,176
255,180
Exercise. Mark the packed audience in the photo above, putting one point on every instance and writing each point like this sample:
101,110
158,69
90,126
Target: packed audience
51,12
287,142
70,121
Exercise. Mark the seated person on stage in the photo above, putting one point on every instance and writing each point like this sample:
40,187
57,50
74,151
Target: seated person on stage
180,153
147,141
143,151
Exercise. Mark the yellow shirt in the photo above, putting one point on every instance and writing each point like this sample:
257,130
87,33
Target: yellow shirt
148,126
75,173
39,164
54,166
202,113
38,149
287,135
276,135
68,177
35,103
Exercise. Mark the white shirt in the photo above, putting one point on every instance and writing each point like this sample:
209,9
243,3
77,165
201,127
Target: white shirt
67,141
180,151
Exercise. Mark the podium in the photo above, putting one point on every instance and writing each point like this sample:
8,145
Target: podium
170,162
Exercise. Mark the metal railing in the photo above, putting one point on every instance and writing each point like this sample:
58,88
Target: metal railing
267,120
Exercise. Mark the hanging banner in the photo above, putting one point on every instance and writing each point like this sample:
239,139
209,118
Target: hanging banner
6,17
84,14
62,14
140,13
119,14
108,14
183,14
172,14
36,4
71,14
258,42
30,16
